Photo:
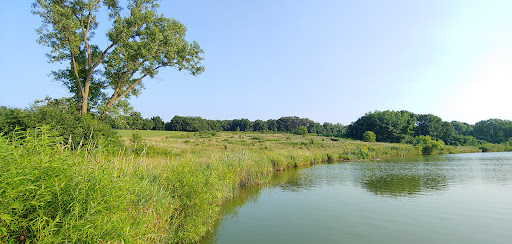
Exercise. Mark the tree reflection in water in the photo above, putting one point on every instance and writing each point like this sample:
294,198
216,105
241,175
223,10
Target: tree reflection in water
403,177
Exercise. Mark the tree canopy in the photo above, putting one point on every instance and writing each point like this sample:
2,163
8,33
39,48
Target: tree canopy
389,126
140,43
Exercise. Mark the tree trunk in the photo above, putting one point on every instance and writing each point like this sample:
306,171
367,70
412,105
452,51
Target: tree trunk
85,100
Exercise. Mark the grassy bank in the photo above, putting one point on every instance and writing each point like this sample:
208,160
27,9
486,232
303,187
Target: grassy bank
168,187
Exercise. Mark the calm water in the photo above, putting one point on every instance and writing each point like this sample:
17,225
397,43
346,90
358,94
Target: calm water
464,198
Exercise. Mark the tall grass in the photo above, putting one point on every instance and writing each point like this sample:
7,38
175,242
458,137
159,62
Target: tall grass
50,194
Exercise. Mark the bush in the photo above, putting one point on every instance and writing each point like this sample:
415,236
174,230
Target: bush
137,143
303,130
369,136
489,147
430,146
75,130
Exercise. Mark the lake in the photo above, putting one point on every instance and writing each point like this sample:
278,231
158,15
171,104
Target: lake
461,198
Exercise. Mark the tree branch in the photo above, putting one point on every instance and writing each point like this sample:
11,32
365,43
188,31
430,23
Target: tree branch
113,99
102,56
76,74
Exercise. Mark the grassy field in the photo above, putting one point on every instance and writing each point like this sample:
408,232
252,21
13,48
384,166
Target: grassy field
301,149
148,133
162,187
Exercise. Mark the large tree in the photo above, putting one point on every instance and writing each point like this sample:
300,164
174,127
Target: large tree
429,125
139,43
389,126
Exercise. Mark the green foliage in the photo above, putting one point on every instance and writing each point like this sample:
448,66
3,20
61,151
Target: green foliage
284,124
389,126
489,147
429,125
493,130
158,123
369,136
260,125
303,130
400,126
462,128
272,125
291,124
76,131
241,125
190,124
508,145
429,146
329,129
147,124
138,144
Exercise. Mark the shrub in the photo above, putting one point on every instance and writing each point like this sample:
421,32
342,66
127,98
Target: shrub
75,130
489,147
430,146
137,143
369,136
303,130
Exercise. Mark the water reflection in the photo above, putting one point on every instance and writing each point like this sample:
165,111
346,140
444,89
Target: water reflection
397,185
364,202
290,180
399,177
230,207
294,180
403,177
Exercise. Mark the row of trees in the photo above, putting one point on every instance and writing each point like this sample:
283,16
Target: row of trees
386,126
134,121
404,126
287,124
381,126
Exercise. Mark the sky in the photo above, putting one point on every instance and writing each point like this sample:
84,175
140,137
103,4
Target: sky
327,60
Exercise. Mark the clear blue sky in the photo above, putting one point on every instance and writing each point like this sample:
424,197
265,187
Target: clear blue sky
330,61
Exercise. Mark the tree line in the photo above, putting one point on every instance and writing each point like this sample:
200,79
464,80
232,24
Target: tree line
388,126
404,127
381,126
288,124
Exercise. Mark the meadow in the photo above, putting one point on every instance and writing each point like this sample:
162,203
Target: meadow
161,187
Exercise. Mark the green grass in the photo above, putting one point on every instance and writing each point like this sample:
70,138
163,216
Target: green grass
171,191
50,194
149,133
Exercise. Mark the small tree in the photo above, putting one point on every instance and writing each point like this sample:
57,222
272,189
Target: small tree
369,136
303,130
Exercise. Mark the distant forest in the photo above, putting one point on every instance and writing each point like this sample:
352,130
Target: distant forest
388,126
380,126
